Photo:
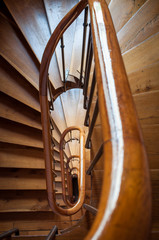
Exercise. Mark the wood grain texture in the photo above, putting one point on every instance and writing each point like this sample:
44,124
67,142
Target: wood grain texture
147,105
36,221
15,111
125,174
144,79
142,55
17,156
14,179
20,134
121,11
143,24
20,57
35,29
16,86
31,19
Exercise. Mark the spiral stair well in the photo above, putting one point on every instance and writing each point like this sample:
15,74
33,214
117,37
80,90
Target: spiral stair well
79,119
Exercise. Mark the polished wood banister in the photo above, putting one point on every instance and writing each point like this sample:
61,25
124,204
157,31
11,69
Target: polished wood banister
125,206
43,79
81,175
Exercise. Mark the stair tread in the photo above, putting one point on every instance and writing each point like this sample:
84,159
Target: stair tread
36,30
16,133
15,111
20,57
11,80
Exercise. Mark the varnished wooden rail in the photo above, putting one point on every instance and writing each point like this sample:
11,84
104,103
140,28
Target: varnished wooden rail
49,50
125,207
81,175
125,203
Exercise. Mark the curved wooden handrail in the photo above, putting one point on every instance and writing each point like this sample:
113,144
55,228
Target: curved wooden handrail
125,206
126,194
43,79
81,175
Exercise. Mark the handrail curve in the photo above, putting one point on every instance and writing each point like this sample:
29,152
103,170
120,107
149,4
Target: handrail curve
125,206
43,83
81,175
126,193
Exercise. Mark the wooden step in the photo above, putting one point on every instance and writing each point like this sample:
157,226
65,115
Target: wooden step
25,201
140,27
20,57
13,110
16,133
20,179
35,29
121,11
142,55
17,156
31,222
38,237
33,26
144,79
16,86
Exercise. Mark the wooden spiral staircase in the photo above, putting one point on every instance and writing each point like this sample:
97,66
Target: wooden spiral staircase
26,27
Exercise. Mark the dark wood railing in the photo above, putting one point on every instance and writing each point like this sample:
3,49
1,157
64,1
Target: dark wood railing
125,203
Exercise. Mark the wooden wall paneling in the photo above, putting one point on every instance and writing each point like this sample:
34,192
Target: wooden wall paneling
17,156
121,11
16,133
96,143
147,105
142,55
13,110
20,57
16,86
97,179
151,139
154,173
144,79
141,26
